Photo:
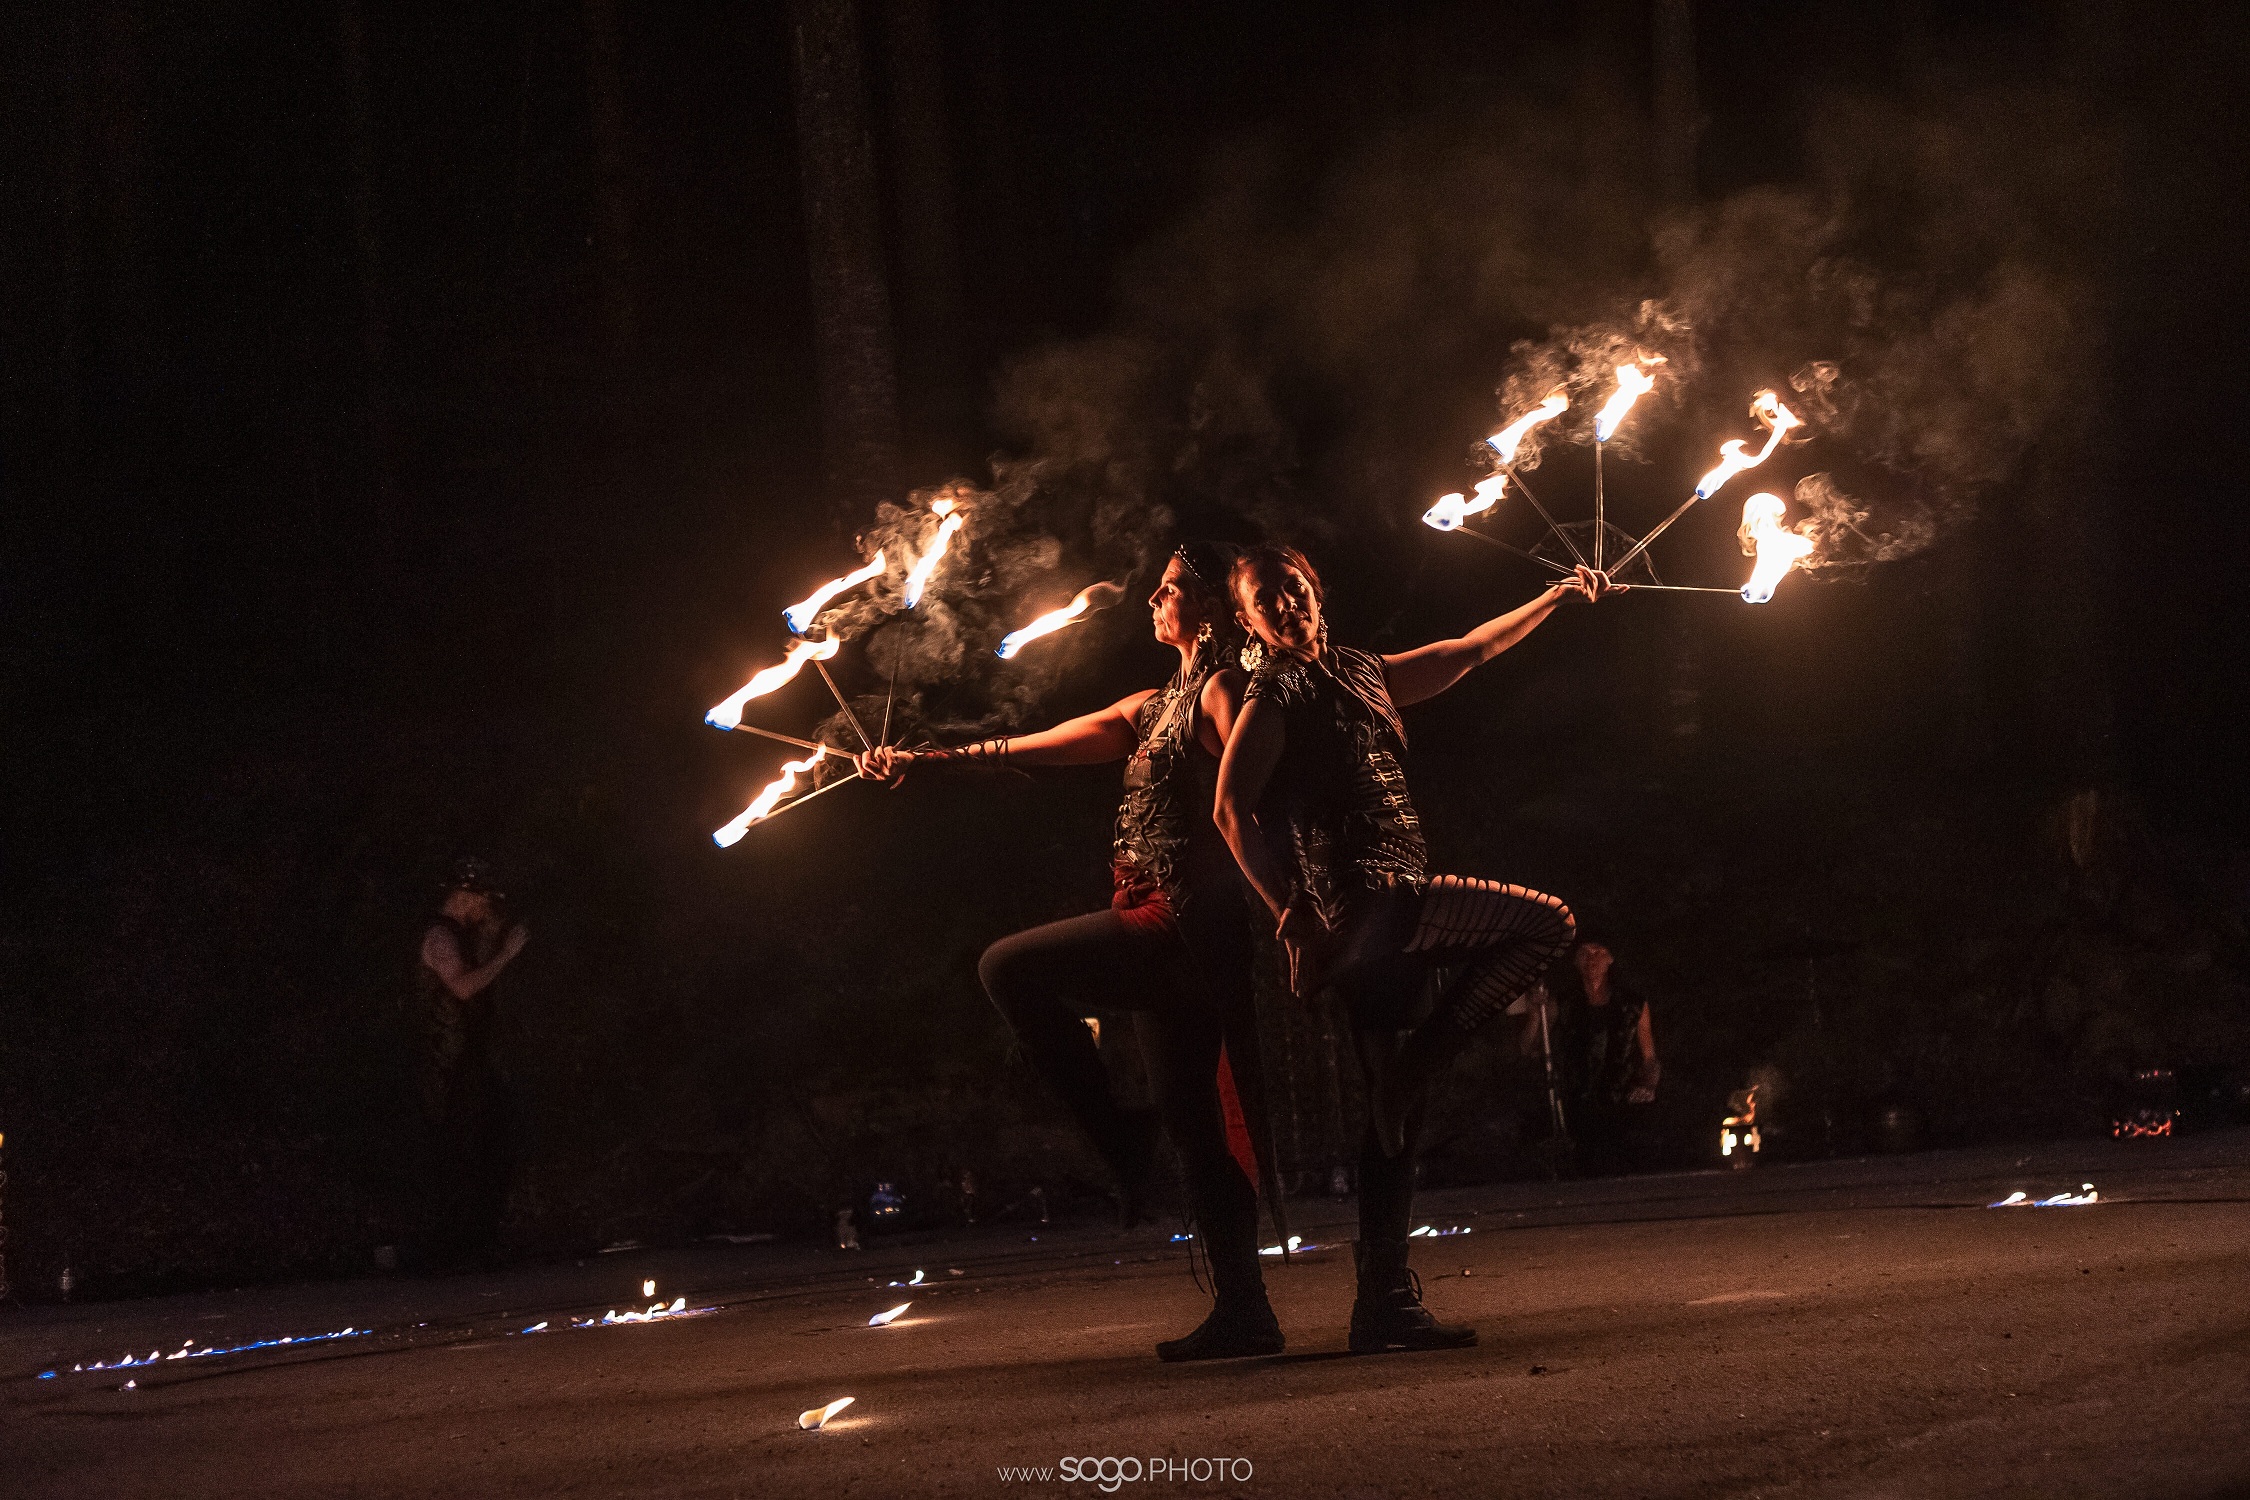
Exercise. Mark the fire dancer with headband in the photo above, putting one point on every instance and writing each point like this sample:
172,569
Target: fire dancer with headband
1173,945
1312,798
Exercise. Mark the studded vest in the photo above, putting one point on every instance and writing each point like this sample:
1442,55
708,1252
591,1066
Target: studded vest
1341,783
1166,840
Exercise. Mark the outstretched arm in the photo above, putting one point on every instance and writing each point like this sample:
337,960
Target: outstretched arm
1429,670
1089,739
1260,733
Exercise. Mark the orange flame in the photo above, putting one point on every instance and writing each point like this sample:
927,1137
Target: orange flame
1451,510
919,578
1633,382
1056,619
1734,456
1509,438
1777,550
800,615
728,714
762,807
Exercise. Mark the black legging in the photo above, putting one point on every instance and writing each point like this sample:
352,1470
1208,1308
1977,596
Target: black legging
1186,981
1495,940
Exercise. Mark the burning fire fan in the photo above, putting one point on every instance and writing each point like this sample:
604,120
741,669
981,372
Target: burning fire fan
1775,548
800,780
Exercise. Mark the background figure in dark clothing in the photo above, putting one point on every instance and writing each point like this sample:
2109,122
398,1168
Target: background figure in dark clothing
1604,1053
465,1103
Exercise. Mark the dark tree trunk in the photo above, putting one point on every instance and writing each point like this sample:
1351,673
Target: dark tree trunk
1676,121
853,357
938,396
613,204
374,293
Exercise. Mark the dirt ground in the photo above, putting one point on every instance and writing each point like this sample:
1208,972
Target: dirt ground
1862,1328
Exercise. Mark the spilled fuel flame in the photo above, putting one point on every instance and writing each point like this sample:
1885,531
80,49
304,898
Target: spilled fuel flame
817,1418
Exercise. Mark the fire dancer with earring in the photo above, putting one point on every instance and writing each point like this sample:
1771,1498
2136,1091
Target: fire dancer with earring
1173,945
1312,798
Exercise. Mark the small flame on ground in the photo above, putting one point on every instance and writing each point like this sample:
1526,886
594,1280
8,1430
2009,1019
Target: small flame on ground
814,1420
1633,382
1509,438
919,578
1777,550
656,1314
1426,1232
917,1281
2080,1199
1296,1243
885,1319
1451,510
761,808
801,614
648,1288
129,1360
1055,619
729,714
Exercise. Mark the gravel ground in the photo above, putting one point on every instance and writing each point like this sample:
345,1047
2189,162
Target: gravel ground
1862,1328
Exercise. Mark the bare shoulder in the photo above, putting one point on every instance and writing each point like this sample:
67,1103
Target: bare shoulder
440,949
1224,686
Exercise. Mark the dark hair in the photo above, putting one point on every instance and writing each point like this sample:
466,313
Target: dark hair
1276,555
1209,565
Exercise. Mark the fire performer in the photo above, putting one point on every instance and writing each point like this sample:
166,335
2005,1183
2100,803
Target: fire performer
1173,945
1312,798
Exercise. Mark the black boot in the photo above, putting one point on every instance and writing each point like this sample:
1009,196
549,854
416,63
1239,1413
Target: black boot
1238,1327
1388,1313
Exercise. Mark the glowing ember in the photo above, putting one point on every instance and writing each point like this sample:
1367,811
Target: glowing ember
728,714
886,1319
814,1420
1451,510
762,806
919,578
2079,1199
1509,438
1734,455
1055,619
801,615
1633,382
1777,550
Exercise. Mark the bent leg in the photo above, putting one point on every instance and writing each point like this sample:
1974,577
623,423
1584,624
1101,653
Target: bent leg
1045,981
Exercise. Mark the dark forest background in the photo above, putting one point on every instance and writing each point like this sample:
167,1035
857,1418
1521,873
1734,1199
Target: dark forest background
414,419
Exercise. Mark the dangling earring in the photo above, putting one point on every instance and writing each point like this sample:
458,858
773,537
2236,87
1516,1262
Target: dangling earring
1253,654
1323,636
